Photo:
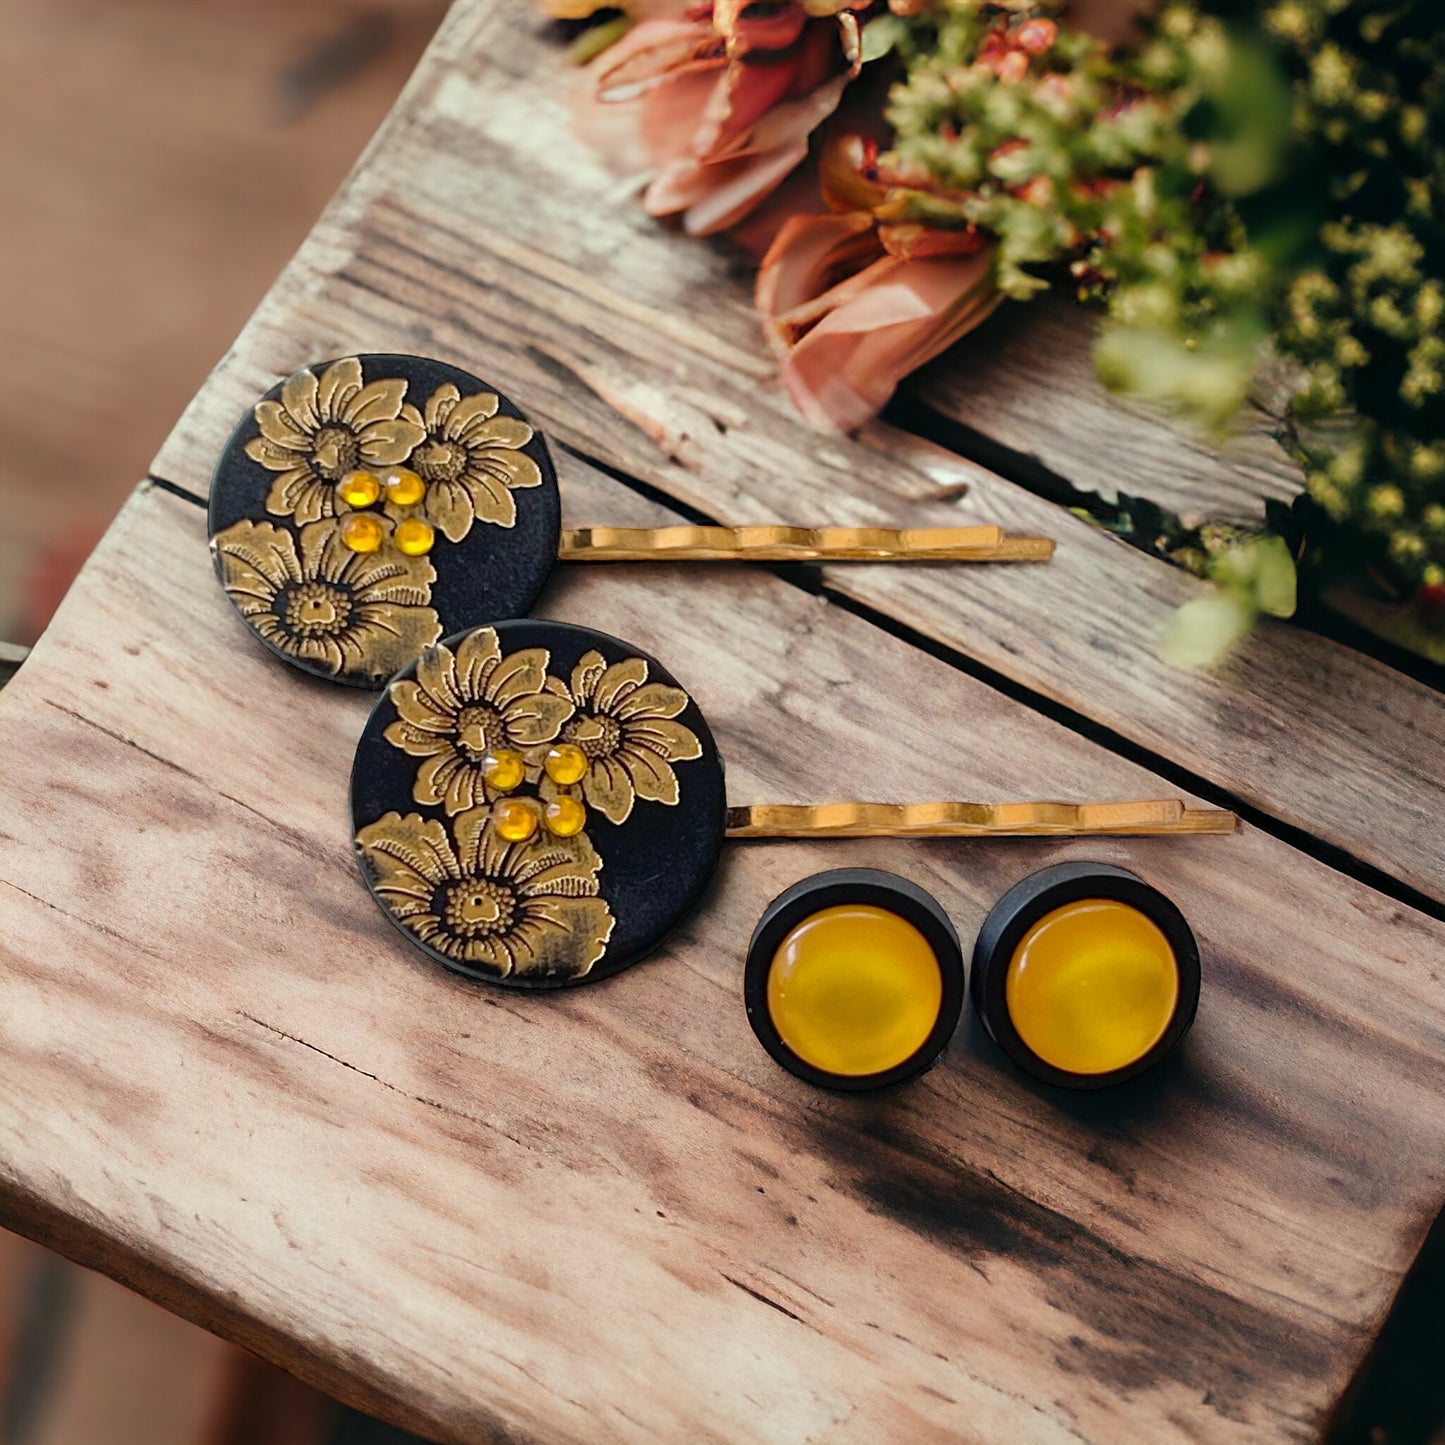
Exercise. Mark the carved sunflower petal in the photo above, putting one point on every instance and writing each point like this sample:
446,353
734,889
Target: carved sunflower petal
298,396
266,623
499,431
518,674
390,576
656,700
257,559
439,406
417,743
278,427
548,864
470,829
467,412
608,789
450,509
389,442
536,718
416,711
299,494
392,637
466,789
651,775
491,953
497,857
376,401
476,663
329,651
490,501
433,777
617,682
511,469
586,675
339,383
274,457
323,553
575,941
664,737
408,856
437,674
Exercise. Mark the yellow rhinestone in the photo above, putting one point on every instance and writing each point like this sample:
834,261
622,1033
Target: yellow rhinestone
414,537
504,770
515,819
359,489
362,532
566,764
565,816
403,486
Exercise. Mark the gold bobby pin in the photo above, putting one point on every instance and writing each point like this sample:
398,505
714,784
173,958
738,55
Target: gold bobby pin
973,820
800,544
369,506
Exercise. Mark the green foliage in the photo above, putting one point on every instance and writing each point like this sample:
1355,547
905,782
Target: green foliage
1247,174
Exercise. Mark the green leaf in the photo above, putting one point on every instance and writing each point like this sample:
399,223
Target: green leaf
1204,632
880,35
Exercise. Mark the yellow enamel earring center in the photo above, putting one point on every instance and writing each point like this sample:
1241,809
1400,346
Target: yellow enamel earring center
1092,986
854,990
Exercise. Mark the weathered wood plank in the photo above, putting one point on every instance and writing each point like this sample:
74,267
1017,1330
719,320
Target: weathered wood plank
1026,381
480,229
607,1214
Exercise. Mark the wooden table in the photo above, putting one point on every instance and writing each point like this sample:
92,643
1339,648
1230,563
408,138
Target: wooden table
607,1214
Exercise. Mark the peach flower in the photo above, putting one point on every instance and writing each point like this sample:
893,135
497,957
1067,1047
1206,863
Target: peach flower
855,300
719,105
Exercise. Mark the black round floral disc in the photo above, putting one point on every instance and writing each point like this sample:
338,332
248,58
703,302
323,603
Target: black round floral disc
489,743
282,532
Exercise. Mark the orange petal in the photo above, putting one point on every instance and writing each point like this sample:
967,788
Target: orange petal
806,257
749,25
842,372
655,51
911,241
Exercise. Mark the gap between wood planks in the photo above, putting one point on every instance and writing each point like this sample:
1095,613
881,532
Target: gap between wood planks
809,578
917,416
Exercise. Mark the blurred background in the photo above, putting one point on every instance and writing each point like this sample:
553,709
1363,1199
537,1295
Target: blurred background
160,160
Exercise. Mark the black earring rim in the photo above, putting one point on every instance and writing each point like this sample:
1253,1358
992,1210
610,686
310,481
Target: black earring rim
1022,907
869,886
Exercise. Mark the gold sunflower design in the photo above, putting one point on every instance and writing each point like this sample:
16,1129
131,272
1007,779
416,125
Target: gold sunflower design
314,599
470,459
321,429
466,704
509,908
626,727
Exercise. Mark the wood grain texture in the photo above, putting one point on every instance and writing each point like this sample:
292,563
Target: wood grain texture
608,1215
478,228
1026,381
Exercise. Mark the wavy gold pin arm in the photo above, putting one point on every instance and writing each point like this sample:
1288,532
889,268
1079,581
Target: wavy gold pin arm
973,820
799,544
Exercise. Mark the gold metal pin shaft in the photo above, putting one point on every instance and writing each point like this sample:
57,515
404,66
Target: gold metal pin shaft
973,820
800,544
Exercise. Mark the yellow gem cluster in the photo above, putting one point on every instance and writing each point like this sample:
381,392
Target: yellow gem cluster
362,530
517,819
